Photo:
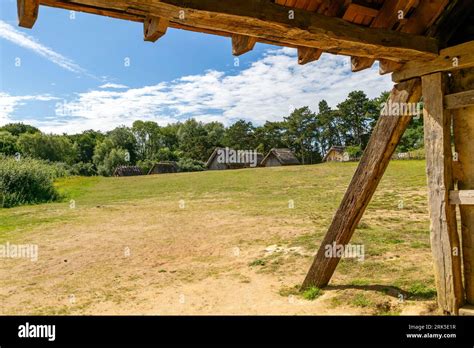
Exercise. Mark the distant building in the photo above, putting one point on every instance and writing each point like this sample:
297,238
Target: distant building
127,171
226,158
164,168
336,154
280,157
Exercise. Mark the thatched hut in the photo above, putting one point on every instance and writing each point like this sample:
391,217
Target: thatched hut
336,154
167,167
127,171
280,157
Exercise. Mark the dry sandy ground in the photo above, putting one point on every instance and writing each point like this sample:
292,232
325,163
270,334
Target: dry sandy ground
154,258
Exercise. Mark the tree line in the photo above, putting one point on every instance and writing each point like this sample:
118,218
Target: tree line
307,133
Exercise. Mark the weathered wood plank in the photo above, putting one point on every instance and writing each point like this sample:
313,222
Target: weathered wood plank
385,138
445,245
463,127
266,20
154,28
466,310
242,44
27,12
461,197
307,55
459,100
450,59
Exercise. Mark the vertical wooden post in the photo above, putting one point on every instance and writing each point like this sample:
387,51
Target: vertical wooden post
463,125
443,231
377,155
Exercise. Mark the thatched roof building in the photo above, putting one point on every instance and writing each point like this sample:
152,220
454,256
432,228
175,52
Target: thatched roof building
164,168
336,154
127,171
280,157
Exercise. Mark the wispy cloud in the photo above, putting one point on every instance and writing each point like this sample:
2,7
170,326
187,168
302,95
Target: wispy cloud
113,85
10,33
268,89
9,103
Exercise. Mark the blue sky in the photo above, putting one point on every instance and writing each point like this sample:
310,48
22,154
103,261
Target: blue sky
70,73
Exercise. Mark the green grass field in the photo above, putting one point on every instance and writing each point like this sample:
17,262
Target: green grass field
211,236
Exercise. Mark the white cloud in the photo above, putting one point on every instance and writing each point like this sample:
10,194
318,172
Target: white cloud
19,38
113,85
9,103
266,90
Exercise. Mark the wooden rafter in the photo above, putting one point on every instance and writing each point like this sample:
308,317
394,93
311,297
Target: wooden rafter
242,44
27,12
154,28
308,55
269,21
423,18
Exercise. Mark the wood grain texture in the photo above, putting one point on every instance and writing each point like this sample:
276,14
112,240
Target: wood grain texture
27,12
445,245
242,44
449,59
459,100
461,197
268,21
463,127
385,138
307,55
154,28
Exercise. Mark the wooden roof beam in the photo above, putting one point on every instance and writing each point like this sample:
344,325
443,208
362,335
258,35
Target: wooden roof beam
262,18
27,12
154,28
270,22
242,44
450,59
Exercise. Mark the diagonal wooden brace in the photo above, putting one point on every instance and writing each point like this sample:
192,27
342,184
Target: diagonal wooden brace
385,138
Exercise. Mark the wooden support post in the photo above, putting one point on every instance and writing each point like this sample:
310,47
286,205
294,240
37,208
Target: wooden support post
382,144
445,244
154,28
463,126
27,12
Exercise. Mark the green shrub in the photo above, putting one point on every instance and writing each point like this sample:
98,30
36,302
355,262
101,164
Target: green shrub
354,152
190,165
26,181
146,165
83,169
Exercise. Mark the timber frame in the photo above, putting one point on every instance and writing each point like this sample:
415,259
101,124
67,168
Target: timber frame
428,46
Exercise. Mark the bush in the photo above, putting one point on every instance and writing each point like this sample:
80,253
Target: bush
83,169
354,152
26,181
146,165
190,165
